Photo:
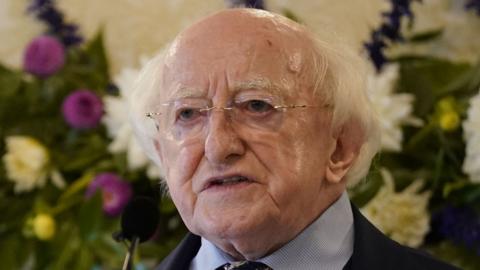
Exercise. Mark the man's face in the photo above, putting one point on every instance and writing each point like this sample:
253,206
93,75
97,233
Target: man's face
235,182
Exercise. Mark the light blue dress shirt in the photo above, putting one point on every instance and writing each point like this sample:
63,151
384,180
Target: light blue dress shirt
326,244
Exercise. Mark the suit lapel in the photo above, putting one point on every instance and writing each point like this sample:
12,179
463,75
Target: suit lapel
372,250
182,255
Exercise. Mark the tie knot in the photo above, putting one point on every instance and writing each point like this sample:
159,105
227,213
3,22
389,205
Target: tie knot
246,265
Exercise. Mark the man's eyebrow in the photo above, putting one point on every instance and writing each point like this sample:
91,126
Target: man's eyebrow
181,91
260,84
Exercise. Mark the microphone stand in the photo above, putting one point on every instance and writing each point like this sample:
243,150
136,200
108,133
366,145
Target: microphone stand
127,264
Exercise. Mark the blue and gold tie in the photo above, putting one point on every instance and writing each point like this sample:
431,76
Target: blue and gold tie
246,265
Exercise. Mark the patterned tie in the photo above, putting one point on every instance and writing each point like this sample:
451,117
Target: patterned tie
246,265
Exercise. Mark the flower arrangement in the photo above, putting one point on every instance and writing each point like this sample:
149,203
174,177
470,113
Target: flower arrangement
62,187
70,162
436,135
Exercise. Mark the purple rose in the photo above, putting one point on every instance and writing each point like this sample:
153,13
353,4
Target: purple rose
44,56
116,192
82,109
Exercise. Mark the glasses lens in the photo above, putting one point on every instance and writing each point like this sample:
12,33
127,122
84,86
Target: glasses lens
183,119
258,114
188,118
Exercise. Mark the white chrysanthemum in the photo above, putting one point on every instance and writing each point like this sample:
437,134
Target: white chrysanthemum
393,109
459,40
120,130
471,129
403,216
26,163
20,27
167,17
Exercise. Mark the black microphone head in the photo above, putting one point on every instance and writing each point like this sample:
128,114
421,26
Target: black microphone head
140,218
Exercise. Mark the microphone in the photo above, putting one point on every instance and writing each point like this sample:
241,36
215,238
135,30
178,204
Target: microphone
138,222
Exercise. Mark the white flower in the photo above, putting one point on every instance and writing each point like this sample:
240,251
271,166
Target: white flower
393,109
14,20
459,40
115,17
26,163
402,216
471,128
118,126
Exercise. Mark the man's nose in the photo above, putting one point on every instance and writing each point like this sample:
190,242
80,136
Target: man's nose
222,144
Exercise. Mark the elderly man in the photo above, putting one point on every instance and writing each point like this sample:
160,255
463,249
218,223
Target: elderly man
258,126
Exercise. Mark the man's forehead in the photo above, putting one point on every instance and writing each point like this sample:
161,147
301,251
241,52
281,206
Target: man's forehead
251,51
241,27
232,21
178,91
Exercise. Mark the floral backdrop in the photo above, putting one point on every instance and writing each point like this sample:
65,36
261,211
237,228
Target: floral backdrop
70,163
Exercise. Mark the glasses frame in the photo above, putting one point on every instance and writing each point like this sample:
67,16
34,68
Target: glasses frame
152,115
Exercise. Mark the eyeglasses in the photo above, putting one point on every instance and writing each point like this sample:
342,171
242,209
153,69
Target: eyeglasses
188,118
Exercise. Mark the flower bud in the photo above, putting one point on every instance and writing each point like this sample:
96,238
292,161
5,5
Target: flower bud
449,121
447,104
82,109
116,192
44,226
44,56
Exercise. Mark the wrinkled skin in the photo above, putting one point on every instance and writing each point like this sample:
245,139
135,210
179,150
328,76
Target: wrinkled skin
296,171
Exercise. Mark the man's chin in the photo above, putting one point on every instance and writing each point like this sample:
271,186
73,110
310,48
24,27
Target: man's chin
240,243
228,230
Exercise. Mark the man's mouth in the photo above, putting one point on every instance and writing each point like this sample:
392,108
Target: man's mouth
227,181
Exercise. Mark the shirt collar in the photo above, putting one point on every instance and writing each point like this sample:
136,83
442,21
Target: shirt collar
327,244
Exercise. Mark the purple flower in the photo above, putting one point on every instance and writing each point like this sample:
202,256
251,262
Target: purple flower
44,56
459,224
389,31
82,109
116,192
46,11
375,50
258,4
473,4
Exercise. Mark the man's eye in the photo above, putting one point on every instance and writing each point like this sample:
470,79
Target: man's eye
258,106
187,114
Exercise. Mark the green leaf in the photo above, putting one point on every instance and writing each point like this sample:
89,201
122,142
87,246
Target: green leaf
10,255
467,82
82,150
15,210
167,206
10,82
90,218
430,79
84,260
97,60
66,249
456,255
468,193
451,187
365,191
77,186
425,36
108,251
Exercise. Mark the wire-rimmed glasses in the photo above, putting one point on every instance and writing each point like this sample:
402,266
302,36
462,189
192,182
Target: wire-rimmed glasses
188,118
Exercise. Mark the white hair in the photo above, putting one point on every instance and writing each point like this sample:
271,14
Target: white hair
339,80
141,101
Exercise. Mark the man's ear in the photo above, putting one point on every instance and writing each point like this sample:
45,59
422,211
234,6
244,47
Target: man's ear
348,141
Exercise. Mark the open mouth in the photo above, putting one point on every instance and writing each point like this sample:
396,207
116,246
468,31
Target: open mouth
228,181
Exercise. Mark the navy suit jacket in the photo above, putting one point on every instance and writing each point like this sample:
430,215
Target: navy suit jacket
372,250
